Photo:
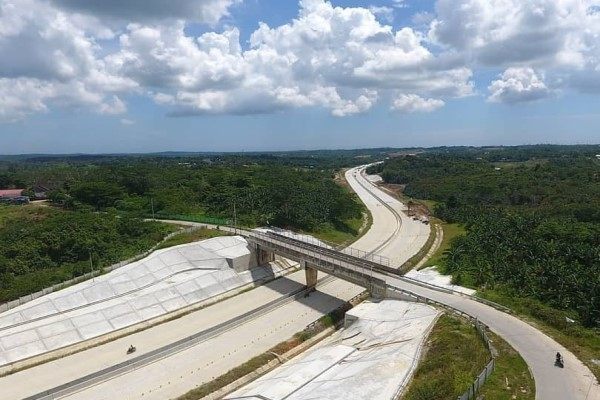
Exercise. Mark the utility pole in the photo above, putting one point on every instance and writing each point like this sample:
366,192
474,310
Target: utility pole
91,266
234,216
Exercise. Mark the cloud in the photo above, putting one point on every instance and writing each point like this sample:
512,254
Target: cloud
517,85
410,103
206,11
509,32
562,37
384,12
331,57
114,106
126,121
339,59
91,54
60,65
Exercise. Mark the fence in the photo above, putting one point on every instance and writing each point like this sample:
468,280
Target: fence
471,392
192,218
25,299
351,251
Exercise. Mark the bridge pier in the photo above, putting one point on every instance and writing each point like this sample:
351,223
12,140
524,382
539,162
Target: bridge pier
311,275
263,256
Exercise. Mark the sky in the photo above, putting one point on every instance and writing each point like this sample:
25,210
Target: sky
112,76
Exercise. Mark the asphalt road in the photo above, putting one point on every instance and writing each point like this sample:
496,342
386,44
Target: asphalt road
574,382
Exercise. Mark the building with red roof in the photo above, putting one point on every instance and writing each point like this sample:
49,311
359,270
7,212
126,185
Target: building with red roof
11,193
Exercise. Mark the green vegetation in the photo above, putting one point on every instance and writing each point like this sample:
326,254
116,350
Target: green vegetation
532,219
239,190
42,246
454,357
533,230
511,379
450,232
189,237
97,203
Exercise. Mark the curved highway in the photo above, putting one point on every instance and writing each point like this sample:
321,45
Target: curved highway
574,382
392,234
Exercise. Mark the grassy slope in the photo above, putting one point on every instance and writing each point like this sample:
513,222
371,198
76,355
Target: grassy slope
450,232
345,234
348,231
511,379
455,355
31,212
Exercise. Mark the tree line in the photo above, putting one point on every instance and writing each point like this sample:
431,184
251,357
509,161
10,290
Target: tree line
533,221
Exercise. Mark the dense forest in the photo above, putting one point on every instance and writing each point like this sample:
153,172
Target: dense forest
41,246
255,193
532,216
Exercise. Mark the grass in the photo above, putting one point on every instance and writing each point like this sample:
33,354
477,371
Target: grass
422,253
511,379
430,204
583,342
31,212
344,233
450,232
454,357
189,237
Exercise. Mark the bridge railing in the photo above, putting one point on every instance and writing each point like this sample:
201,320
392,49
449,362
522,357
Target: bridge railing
322,258
354,255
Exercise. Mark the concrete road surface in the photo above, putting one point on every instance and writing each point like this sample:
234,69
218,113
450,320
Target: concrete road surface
574,382
182,371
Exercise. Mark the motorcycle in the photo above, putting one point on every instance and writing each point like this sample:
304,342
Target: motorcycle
559,362
131,349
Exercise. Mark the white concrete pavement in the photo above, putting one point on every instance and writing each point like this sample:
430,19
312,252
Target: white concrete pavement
221,353
372,358
574,382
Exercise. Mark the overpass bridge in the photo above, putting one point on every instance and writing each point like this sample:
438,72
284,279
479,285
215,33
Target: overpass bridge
376,275
356,266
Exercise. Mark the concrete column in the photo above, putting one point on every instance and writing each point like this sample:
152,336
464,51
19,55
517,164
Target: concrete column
263,256
311,275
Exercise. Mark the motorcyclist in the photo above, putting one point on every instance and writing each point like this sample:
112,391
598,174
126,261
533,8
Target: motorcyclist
559,359
131,349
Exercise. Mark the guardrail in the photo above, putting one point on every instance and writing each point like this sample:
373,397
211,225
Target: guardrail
320,258
25,299
192,218
370,262
355,256
481,328
492,304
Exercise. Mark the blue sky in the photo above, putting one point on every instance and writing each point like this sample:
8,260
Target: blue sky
355,83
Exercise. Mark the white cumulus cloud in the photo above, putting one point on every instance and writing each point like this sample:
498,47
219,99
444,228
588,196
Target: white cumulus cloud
518,85
410,103
331,57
